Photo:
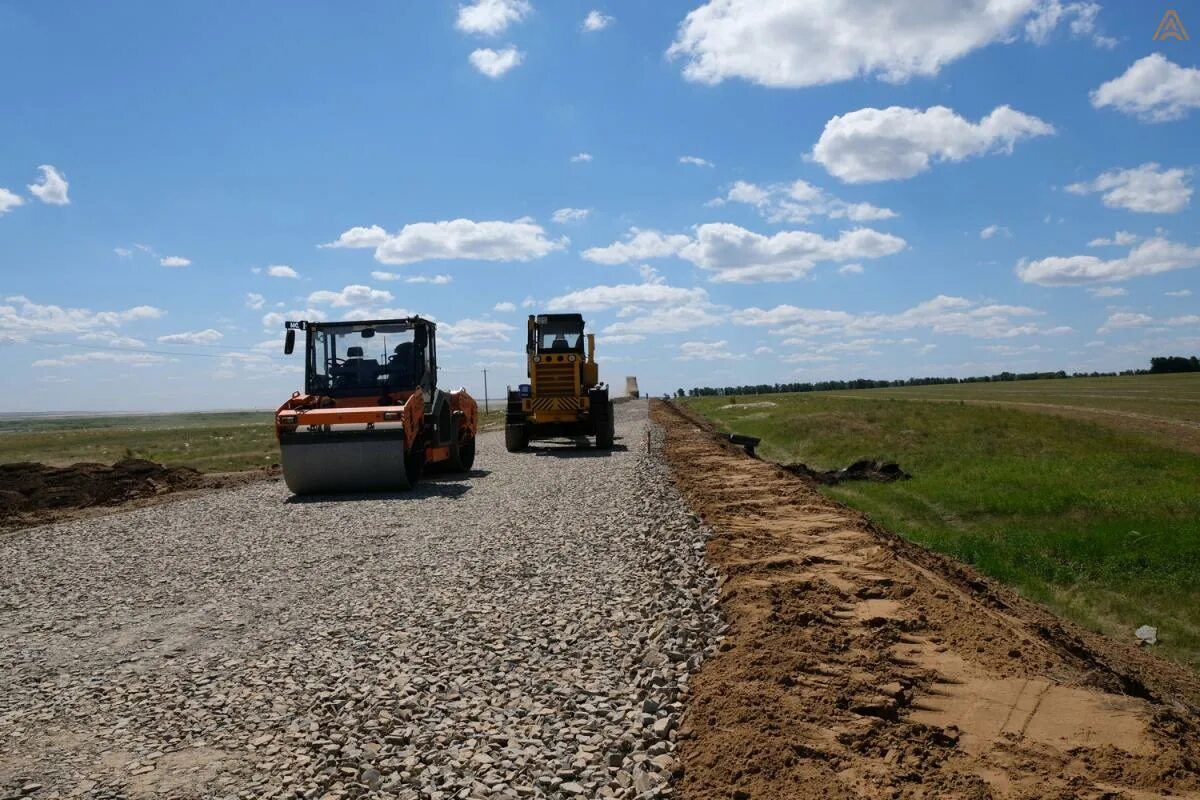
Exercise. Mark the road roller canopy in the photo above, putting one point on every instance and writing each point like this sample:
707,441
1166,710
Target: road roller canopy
556,333
346,358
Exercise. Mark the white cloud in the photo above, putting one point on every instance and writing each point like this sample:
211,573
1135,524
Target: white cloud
493,240
52,187
282,271
275,319
433,280
353,295
111,338
736,255
9,201
851,269
629,297
494,63
621,338
505,307
581,157
1108,291
1148,189
1123,320
474,330
992,230
20,318
799,201
174,261
564,216
1082,15
123,252
254,301
707,351
1180,293
796,43
206,336
638,245
881,144
132,359
763,351
1154,89
360,237
673,320
595,21
1119,239
942,314
1151,257
695,161
1190,319
491,17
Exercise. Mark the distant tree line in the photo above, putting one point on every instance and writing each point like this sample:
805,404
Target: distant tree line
1158,365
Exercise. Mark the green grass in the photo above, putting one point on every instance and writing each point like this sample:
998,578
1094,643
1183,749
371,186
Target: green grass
1098,523
211,441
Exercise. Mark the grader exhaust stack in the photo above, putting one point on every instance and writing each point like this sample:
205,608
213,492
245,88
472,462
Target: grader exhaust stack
371,416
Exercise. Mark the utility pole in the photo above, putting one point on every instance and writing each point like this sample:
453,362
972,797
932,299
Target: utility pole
485,402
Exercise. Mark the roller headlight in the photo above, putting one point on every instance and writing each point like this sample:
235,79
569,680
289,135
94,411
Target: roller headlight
287,419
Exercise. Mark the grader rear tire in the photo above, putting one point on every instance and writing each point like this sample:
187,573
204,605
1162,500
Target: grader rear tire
516,437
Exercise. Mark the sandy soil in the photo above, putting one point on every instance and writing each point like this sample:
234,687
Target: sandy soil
860,665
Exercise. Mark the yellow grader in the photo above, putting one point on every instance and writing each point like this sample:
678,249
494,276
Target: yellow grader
564,396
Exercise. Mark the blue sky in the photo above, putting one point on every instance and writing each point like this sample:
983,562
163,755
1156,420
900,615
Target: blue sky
731,192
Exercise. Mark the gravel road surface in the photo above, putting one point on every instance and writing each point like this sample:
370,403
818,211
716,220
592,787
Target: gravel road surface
523,631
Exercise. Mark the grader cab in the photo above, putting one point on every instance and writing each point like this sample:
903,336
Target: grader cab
564,396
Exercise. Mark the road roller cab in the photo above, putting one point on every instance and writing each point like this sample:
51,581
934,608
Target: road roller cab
371,416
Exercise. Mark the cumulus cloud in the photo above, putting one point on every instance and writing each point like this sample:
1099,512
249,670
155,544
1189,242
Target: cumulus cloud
1180,293
491,17
942,314
353,295
275,319
360,237
51,187
992,230
1108,291
494,63
1153,89
581,158
881,144
1080,16
206,336
433,280
622,338
850,269
505,307
736,255
695,161
174,261
20,318
564,216
1151,257
1124,320
111,339
130,359
1119,239
638,246
282,271
797,43
629,297
1148,189
595,21
798,201
707,351
519,240
671,320
254,301
9,201
466,331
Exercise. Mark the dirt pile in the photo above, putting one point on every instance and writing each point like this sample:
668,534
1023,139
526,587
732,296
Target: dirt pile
859,665
865,470
31,493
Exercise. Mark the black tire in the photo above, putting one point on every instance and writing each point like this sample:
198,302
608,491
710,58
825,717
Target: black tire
516,437
602,417
462,449
414,462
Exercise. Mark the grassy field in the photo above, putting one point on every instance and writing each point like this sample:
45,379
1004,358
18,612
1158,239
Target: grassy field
211,442
1096,518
